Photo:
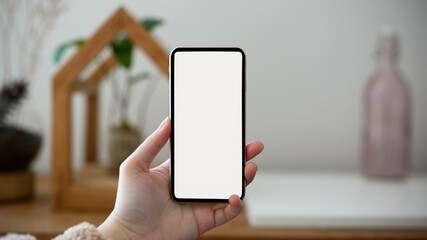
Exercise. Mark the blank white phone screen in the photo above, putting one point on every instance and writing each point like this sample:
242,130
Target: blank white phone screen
208,119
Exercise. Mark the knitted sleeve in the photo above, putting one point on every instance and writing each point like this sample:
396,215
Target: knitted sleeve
15,236
82,231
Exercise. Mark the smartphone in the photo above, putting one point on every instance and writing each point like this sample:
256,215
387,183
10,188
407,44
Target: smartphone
207,112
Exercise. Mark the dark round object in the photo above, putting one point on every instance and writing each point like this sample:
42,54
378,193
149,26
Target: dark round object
17,148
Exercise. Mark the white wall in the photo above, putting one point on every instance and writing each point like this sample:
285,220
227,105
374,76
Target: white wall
308,62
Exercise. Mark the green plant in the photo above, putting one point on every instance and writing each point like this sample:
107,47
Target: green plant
121,46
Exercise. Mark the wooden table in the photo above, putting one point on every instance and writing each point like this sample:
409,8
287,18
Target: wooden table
35,216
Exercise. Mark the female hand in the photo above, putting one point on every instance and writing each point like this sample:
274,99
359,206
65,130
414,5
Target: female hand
144,208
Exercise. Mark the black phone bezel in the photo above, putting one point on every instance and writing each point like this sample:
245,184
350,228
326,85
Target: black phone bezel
172,110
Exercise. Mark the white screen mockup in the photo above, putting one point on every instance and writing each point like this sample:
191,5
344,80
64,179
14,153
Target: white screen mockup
208,118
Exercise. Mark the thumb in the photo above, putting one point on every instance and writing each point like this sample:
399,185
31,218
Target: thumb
147,151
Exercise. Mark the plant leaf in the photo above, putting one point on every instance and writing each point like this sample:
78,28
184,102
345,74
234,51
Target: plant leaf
122,49
138,77
61,49
150,23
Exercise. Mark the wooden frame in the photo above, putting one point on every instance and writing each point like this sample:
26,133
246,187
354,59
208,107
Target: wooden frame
89,195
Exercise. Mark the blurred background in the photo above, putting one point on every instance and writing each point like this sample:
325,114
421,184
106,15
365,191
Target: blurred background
308,63
308,67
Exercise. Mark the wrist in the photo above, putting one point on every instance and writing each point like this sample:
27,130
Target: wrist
112,229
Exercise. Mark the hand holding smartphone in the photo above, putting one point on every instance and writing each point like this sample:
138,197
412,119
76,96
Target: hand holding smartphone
207,111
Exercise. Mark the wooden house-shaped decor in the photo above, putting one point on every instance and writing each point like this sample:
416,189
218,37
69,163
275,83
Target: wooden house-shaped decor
89,193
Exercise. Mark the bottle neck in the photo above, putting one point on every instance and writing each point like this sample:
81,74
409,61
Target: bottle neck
388,51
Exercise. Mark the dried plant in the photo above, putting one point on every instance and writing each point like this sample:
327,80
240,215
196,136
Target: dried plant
10,96
24,25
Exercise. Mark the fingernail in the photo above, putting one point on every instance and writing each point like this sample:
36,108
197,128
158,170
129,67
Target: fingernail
163,123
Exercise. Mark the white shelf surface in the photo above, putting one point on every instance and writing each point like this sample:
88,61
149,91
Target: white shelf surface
336,199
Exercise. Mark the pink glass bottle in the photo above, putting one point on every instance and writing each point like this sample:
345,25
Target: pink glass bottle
387,130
